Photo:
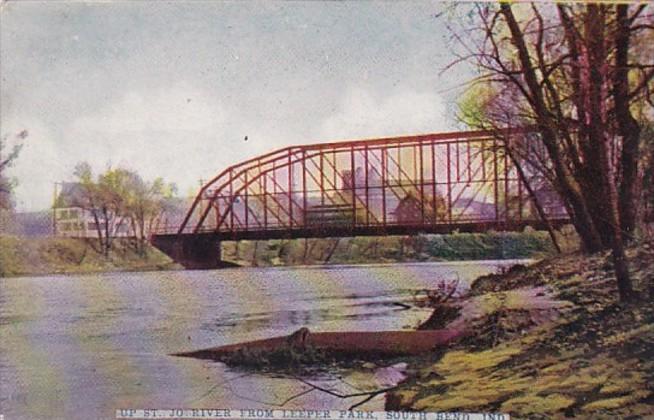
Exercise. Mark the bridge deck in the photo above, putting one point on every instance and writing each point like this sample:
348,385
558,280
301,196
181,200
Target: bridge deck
349,231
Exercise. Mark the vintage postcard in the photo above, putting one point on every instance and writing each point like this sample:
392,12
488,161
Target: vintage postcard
326,210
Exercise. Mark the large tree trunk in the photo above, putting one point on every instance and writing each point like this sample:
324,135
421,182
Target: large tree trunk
98,229
255,253
306,251
142,238
237,250
348,344
606,176
628,127
107,244
332,250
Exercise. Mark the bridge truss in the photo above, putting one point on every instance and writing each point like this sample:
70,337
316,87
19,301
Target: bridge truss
428,183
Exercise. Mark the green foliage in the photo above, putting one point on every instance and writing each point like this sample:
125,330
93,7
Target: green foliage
491,245
121,197
422,247
473,105
10,261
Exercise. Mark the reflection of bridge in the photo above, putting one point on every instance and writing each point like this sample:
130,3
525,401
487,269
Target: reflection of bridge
434,183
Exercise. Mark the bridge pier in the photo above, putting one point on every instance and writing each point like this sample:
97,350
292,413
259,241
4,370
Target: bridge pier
195,252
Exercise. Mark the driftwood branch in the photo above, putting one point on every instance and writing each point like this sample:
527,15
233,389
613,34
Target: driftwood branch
444,291
368,394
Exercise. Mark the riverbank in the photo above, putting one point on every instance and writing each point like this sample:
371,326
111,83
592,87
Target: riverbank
393,249
50,255
587,356
22,256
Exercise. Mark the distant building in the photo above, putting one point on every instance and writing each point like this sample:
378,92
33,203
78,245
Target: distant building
409,210
469,208
70,218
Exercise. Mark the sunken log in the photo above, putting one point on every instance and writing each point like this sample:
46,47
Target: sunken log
361,343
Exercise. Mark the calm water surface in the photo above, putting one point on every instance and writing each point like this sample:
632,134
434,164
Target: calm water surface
84,346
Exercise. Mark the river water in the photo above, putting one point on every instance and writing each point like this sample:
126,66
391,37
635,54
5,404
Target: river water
83,346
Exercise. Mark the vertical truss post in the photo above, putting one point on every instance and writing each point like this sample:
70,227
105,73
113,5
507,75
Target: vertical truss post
217,211
365,154
304,187
265,201
245,202
230,209
399,164
353,186
260,195
384,168
433,181
449,183
415,163
483,160
458,162
290,191
274,179
469,163
422,184
322,178
334,167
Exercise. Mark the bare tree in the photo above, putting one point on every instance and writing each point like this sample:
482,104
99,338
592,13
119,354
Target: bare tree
569,72
100,198
119,198
144,204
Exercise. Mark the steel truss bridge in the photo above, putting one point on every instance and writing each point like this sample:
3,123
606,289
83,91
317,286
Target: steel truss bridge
433,183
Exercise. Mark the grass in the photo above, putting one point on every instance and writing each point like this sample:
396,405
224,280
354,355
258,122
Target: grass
51,255
592,358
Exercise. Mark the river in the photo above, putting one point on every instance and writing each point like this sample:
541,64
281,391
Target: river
82,346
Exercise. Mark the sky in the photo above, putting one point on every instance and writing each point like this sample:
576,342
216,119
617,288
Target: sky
171,89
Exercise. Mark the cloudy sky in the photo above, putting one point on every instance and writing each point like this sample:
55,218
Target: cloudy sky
172,88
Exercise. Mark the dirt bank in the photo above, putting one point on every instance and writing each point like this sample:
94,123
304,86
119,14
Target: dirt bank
38,256
551,340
